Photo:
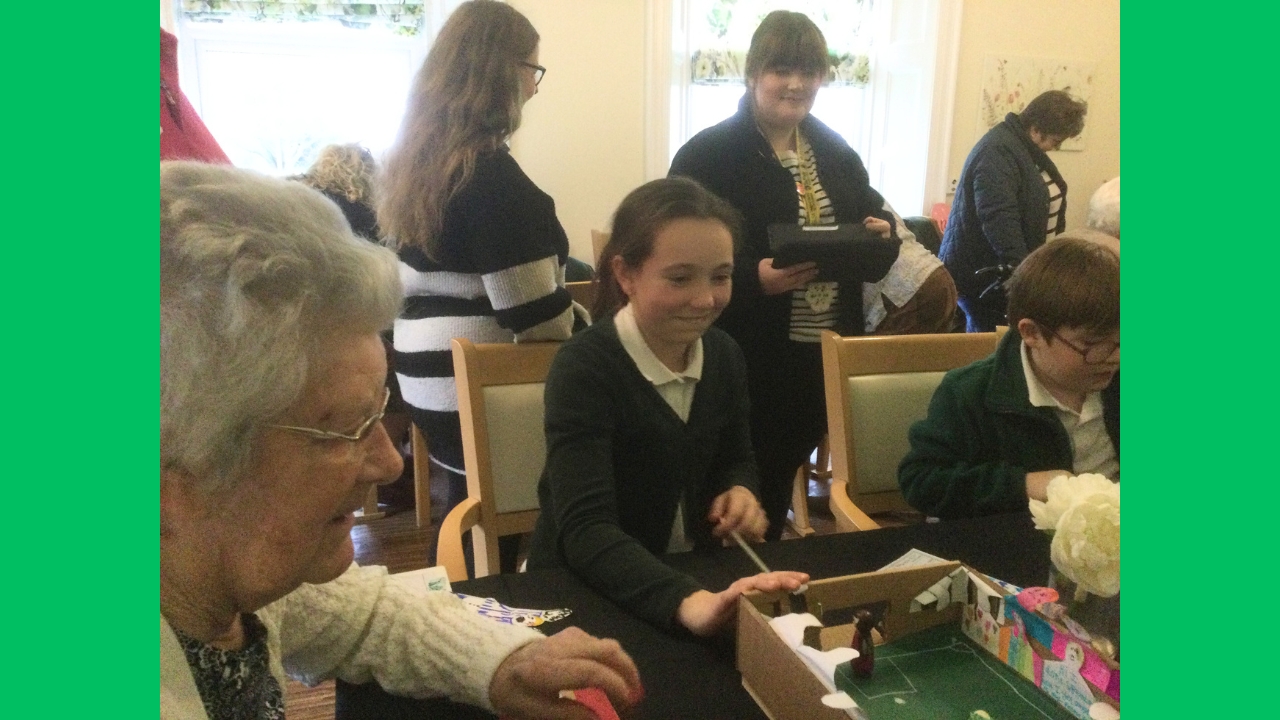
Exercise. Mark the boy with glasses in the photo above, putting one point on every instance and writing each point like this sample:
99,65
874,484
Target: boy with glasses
1046,403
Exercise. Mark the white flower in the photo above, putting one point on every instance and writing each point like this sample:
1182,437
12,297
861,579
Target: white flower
1066,490
1086,545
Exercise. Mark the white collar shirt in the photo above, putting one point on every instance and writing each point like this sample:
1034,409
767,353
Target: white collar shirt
1091,448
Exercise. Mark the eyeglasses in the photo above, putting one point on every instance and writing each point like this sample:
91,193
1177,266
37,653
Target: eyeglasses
538,71
1093,353
360,434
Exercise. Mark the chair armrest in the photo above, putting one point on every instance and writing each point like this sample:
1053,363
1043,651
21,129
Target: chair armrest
464,516
848,516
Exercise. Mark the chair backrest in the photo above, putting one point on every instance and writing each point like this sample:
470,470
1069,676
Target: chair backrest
599,239
583,293
500,406
876,388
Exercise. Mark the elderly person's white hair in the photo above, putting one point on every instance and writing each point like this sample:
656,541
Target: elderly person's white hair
1104,208
256,274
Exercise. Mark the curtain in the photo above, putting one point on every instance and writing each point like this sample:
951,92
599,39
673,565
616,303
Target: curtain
402,16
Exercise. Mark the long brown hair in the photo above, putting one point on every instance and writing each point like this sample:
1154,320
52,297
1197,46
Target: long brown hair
643,214
465,101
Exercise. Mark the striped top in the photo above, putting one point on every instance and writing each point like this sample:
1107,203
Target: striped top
500,279
1056,206
815,307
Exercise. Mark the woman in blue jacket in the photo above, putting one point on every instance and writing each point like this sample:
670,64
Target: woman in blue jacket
1009,200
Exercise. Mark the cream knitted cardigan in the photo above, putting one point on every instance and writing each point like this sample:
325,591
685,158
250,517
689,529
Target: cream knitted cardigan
361,627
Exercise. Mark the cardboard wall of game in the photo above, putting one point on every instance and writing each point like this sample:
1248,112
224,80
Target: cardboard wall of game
780,681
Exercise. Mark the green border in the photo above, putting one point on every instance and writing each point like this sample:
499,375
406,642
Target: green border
82,191
1198,300
80,301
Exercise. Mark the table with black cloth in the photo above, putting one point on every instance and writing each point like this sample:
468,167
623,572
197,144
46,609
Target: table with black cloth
689,678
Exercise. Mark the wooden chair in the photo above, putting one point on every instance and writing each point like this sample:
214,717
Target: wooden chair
816,467
500,404
421,476
584,293
876,388
599,239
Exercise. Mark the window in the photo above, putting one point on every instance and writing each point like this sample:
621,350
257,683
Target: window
892,101
719,33
276,86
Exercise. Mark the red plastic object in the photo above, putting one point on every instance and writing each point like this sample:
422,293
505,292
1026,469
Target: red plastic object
595,700
940,213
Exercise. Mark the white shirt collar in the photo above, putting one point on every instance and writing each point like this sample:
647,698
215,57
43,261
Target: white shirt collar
648,363
1040,396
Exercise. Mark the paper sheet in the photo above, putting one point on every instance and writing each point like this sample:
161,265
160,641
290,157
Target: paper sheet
912,558
421,582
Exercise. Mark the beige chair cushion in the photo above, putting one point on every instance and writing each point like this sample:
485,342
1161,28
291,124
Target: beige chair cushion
517,445
882,409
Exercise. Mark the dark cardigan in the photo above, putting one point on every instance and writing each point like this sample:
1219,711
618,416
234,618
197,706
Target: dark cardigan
619,460
733,160
971,455
1001,209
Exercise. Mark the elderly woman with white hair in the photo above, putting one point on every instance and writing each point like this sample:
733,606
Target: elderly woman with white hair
272,389
1104,208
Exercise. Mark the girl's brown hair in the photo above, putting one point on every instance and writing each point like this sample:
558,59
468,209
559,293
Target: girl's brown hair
643,214
465,101
787,40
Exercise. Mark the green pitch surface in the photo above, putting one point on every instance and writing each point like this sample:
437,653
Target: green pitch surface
940,674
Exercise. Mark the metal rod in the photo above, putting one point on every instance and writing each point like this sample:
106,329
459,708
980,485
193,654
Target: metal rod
750,553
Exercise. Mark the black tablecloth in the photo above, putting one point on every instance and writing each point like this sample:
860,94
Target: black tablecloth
690,678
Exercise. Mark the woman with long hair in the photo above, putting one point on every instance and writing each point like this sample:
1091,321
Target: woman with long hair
482,253
648,448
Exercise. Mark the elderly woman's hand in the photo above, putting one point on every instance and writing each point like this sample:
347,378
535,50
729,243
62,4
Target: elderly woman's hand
704,613
737,509
876,225
774,281
527,684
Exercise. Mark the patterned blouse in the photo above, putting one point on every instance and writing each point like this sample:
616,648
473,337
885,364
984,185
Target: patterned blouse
236,684
814,308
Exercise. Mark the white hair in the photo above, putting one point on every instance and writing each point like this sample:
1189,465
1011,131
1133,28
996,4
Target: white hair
256,274
1104,208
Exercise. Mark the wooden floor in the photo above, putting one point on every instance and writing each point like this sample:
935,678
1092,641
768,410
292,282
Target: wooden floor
396,542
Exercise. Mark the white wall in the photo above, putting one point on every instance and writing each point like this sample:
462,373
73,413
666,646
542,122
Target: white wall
582,140
1086,31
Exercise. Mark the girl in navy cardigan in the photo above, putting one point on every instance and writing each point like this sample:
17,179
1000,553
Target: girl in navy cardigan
648,442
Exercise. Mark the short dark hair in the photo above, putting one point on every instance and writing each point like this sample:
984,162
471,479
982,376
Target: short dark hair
1067,282
790,40
643,214
1055,113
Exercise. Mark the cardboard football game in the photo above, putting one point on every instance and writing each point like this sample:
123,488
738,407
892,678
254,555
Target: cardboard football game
950,643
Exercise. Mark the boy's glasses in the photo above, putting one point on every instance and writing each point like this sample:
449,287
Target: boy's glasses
361,432
1093,353
538,71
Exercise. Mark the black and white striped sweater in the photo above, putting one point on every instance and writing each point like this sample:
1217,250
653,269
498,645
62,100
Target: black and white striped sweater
500,279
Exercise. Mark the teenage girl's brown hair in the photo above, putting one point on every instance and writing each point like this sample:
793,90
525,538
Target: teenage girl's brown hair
787,40
643,214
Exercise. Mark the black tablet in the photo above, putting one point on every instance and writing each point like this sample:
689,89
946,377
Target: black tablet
833,247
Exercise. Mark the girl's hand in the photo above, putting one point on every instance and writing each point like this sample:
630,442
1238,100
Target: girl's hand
876,225
774,281
738,509
704,613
